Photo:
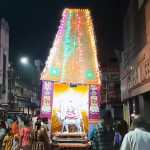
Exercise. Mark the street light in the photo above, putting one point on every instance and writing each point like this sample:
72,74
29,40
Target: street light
24,60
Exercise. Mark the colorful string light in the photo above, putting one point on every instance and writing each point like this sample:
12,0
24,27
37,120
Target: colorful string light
73,57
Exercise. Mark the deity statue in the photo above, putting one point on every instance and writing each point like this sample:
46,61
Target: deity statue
71,115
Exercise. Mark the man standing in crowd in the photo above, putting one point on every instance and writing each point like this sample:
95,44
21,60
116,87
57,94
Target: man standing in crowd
103,134
138,138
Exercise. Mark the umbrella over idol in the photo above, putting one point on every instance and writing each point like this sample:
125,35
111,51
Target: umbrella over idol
73,57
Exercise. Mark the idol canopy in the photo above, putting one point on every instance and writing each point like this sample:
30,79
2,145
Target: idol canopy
71,78
73,56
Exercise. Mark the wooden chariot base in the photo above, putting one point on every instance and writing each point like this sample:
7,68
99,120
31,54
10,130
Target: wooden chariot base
70,141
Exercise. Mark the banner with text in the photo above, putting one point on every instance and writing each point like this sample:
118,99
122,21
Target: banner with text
46,98
94,102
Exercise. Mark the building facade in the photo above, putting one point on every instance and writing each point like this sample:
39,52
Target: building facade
23,97
4,61
135,65
110,90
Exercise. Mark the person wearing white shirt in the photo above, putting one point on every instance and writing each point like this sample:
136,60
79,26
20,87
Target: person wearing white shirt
138,138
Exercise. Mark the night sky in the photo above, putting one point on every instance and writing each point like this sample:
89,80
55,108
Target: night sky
34,23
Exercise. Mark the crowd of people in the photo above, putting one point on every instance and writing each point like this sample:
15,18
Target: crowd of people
108,135
22,132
